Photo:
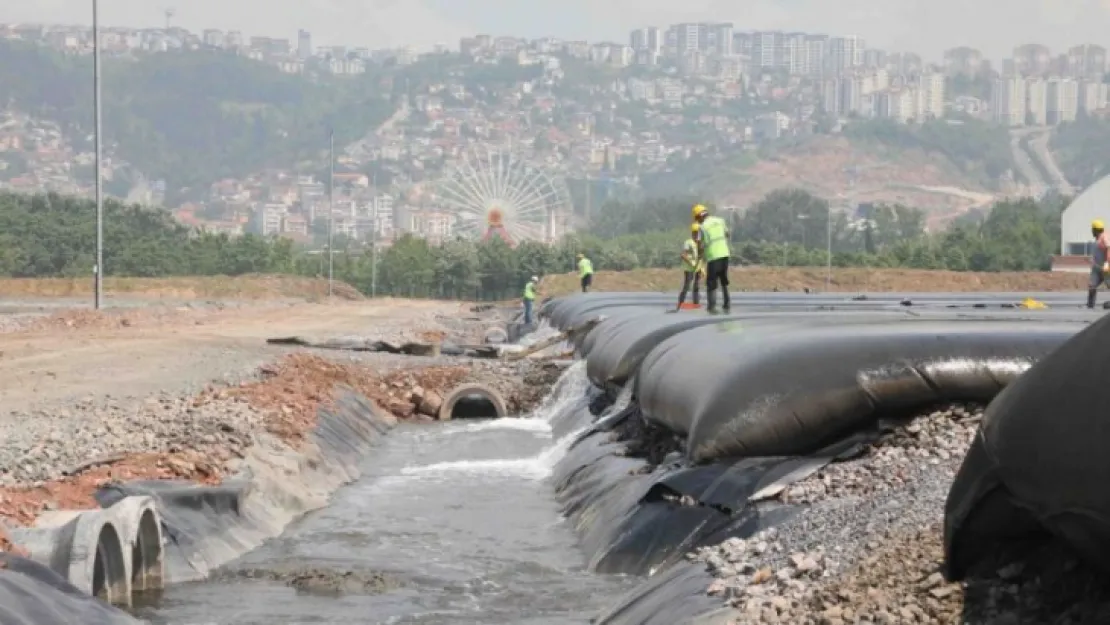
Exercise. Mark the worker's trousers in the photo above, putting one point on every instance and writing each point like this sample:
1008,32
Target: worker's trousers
1096,280
528,311
716,272
587,280
690,278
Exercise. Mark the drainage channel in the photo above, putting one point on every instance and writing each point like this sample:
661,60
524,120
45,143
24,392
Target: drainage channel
458,520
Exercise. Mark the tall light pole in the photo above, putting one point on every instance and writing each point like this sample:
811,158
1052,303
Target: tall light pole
374,243
98,270
828,251
331,212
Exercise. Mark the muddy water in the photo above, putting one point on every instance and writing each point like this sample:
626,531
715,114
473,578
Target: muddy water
459,515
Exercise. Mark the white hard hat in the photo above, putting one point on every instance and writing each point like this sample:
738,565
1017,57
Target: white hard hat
535,279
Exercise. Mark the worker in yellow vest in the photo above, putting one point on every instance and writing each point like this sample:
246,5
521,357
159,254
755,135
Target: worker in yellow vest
692,267
713,239
585,272
530,298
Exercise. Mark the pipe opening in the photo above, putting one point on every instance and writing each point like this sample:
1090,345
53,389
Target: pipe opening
474,406
109,581
146,555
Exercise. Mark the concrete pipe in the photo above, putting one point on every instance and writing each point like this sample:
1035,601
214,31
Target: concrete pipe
472,401
88,552
140,526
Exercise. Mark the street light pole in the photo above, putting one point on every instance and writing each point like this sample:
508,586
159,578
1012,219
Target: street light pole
98,269
828,252
374,244
331,212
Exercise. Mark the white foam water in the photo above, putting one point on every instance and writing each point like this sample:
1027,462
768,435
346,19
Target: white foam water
536,467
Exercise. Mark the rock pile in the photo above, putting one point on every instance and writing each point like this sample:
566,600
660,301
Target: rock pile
940,437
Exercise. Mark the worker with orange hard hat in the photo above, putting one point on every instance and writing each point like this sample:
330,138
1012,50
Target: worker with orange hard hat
1100,262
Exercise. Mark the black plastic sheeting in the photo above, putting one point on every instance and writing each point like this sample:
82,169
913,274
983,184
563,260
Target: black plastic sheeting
32,594
737,393
193,515
1039,465
675,596
615,358
633,521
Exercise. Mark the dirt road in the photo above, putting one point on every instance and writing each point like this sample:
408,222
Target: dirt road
39,369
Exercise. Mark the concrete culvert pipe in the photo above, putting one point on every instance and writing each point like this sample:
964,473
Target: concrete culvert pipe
472,401
147,556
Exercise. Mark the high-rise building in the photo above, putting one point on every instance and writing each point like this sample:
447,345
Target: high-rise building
962,61
1063,100
1032,59
655,39
930,93
792,56
1092,96
845,53
817,47
1008,97
765,49
304,44
1036,101
685,37
638,39
1086,61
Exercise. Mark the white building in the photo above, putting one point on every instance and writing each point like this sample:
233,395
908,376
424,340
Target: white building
1008,96
930,93
1063,100
1036,101
1092,96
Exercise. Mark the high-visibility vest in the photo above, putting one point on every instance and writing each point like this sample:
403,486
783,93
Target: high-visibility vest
585,268
714,236
690,262
530,291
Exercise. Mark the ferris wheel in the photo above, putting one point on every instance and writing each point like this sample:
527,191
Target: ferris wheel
491,192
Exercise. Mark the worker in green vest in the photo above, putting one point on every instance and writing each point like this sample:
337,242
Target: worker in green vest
530,298
585,272
692,268
713,239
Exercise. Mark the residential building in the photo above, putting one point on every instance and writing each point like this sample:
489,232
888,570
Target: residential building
1086,61
962,61
1008,97
1092,96
1063,100
1036,101
1032,59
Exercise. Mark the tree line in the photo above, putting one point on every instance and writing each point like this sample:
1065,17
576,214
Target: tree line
50,235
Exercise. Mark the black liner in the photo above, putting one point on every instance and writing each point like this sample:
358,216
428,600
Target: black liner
32,594
194,516
1039,465
791,391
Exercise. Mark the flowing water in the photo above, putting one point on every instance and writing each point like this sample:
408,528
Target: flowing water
460,514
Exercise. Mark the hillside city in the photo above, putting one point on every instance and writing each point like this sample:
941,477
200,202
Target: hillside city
667,97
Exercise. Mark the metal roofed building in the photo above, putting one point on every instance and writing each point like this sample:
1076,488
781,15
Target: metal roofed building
1076,242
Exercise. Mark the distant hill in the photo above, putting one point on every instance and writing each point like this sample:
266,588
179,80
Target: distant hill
822,165
194,117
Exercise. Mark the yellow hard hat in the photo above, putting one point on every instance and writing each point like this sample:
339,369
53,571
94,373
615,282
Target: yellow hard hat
695,227
1098,225
698,211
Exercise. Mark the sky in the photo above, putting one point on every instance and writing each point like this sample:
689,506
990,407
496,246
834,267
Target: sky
923,26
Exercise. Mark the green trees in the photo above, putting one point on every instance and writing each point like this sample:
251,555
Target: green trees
1082,149
53,236
194,117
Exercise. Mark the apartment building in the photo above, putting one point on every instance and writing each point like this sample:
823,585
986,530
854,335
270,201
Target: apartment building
1036,101
1063,100
1008,99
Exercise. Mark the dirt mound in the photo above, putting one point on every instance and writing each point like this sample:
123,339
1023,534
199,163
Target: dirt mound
255,286
852,280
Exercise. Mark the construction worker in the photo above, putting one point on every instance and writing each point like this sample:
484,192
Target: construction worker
585,272
1100,267
530,298
713,239
692,268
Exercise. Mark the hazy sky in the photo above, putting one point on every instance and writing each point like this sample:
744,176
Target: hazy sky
925,26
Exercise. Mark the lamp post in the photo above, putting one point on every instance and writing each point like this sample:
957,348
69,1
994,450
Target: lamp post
98,268
331,213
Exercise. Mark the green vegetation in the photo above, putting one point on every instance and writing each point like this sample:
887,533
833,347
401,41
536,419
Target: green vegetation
192,118
975,147
53,236
1082,150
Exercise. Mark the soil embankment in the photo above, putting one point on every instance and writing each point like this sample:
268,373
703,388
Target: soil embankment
852,280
